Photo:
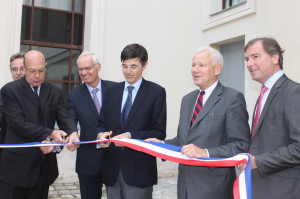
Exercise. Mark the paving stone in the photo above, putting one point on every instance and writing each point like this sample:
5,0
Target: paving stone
166,188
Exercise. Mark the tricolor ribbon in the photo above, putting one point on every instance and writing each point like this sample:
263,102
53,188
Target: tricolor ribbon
241,187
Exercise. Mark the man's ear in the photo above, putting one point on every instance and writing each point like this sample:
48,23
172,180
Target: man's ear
218,69
275,59
144,67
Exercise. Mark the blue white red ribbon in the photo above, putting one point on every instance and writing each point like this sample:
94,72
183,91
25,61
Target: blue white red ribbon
241,187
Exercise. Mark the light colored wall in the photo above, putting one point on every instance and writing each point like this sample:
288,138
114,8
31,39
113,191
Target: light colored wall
10,24
170,30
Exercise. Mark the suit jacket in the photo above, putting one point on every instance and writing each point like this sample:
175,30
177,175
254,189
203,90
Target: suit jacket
222,128
82,109
276,143
1,114
29,119
146,119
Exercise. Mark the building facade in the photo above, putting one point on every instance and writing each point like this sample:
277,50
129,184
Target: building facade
170,30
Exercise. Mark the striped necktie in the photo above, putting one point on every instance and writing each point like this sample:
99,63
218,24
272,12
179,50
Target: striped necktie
198,106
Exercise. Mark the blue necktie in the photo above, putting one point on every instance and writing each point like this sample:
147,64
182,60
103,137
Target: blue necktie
127,105
35,91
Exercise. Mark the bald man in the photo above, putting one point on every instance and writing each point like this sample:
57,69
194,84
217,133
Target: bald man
31,107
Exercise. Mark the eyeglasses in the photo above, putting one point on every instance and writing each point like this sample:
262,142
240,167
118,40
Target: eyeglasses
33,71
87,68
16,69
133,66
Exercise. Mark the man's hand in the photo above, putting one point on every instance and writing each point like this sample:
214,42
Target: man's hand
193,151
73,137
153,140
58,136
104,136
122,136
47,149
253,163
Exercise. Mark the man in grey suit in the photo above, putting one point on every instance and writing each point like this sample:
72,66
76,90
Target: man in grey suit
219,130
275,144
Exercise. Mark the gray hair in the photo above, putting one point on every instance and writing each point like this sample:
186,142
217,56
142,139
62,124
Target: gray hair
216,56
95,58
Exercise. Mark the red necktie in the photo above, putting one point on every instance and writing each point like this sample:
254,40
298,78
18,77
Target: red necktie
258,110
198,106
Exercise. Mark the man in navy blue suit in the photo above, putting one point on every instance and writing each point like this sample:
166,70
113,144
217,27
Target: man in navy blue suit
84,105
133,109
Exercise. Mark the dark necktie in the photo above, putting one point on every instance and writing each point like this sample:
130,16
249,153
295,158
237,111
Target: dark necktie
127,105
35,91
258,110
198,106
96,100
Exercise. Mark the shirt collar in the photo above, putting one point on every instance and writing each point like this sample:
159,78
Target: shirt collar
211,88
136,85
91,88
272,80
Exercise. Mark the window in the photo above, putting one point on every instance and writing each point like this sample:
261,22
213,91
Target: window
229,3
55,27
217,12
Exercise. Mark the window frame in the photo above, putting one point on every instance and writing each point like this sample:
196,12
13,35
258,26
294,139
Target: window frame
31,43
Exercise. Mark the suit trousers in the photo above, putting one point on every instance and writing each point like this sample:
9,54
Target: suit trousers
40,190
121,190
90,186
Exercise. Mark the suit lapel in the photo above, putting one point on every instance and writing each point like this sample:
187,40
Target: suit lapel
138,101
190,107
44,95
88,99
271,96
118,103
28,92
209,104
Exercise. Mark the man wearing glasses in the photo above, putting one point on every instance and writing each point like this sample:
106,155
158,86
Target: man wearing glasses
31,108
84,106
17,72
17,65
133,109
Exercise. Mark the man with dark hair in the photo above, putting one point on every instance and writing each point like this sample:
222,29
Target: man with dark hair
31,108
134,109
275,132
17,65
17,72
84,105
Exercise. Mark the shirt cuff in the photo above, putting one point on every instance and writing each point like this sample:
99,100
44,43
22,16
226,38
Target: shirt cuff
207,152
98,146
129,134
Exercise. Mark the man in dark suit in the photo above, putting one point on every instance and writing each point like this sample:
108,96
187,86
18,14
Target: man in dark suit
1,115
31,107
82,108
216,126
17,72
275,143
133,109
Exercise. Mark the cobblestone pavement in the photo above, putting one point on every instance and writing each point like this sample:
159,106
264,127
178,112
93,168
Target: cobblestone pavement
165,189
